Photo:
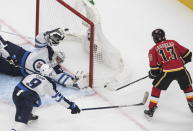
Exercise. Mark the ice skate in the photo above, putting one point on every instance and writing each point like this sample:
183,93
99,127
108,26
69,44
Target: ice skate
190,104
149,113
33,117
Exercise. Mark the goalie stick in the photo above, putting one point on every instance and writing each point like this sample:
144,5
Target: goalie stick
146,95
21,67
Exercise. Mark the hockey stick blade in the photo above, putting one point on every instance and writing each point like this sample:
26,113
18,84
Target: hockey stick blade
146,95
120,106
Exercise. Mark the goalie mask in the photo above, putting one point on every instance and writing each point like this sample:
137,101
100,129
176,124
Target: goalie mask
58,57
54,37
46,70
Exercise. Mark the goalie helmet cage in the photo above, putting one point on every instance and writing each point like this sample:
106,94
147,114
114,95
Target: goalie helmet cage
41,26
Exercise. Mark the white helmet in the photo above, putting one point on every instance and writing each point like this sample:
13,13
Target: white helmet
58,57
46,70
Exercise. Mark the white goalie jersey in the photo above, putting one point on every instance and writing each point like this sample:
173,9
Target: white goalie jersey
45,55
36,59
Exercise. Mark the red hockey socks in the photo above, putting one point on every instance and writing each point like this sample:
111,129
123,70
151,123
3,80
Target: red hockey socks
189,93
155,94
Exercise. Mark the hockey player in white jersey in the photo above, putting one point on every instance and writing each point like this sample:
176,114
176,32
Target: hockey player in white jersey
103,49
27,95
30,62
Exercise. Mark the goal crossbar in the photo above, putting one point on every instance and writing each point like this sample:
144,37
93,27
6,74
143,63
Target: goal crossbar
91,57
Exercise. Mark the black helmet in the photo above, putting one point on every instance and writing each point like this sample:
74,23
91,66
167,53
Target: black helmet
158,35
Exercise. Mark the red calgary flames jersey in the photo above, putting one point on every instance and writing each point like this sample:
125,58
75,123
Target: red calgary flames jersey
167,55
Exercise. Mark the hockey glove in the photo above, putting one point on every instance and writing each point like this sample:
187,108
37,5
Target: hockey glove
74,108
187,58
153,74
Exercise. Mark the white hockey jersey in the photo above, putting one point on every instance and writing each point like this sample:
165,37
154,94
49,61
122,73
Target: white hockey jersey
43,86
36,58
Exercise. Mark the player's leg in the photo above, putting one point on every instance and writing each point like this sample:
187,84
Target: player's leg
162,82
15,51
155,94
7,68
185,83
23,109
24,102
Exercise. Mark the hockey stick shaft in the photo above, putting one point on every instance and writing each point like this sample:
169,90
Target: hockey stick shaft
131,83
120,106
21,67
42,75
110,107
47,76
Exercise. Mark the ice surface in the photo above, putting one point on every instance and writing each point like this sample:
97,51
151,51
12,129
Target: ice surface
128,25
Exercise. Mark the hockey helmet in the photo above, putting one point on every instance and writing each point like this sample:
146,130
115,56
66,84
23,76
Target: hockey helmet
58,57
158,35
53,37
46,70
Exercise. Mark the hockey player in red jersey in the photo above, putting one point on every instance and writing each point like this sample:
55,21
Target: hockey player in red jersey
167,61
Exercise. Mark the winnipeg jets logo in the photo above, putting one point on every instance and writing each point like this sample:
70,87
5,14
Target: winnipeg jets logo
37,64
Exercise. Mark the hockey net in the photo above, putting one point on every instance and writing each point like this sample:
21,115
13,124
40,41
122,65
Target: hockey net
52,14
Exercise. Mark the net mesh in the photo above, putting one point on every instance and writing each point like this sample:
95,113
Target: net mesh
53,15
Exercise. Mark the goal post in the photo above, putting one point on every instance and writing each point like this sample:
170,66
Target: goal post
86,46
81,16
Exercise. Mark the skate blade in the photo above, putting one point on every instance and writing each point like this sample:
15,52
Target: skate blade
148,118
